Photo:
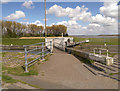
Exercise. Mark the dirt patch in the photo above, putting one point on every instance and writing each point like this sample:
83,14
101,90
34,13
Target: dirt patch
13,59
37,37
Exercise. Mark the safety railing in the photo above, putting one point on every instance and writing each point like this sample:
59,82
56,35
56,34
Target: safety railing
100,51
41,50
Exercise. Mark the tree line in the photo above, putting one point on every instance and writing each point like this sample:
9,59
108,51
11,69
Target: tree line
15,29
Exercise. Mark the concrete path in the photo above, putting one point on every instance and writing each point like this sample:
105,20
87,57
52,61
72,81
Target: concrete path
64,71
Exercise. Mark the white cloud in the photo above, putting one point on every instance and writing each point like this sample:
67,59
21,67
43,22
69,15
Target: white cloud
25,23
118,12
62,23
91,29
28,4
104,23
109,0
16,15
110,9
73,27
4,1
38,23
78,13
99,19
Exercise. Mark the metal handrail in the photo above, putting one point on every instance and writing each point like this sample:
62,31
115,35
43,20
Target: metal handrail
34,49
35,44
100,50
34,60
34,55
41,51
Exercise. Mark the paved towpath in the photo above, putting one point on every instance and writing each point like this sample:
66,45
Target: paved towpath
64,71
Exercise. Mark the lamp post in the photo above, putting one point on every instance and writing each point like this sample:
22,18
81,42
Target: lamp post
45,19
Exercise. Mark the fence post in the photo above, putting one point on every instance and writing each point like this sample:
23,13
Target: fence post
42,51
26,64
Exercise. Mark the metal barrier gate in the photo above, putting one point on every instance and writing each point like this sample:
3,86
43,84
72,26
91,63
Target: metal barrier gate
43,50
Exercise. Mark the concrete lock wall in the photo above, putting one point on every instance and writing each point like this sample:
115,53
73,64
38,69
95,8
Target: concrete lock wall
91,56
58,42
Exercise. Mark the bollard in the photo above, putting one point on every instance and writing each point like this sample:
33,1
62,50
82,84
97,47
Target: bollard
26,64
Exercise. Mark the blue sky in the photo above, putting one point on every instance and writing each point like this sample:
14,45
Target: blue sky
36,13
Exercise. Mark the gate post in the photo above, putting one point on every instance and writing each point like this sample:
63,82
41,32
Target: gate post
26,64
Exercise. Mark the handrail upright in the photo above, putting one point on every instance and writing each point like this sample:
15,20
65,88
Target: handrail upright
26,64
42,51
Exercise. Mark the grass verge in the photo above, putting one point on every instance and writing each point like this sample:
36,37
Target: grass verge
19,71
114,73
9,79
17,41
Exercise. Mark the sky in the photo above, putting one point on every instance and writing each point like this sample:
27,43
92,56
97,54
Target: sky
81,18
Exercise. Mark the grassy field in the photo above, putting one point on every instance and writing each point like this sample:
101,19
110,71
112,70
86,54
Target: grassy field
93,41
98,41
16,41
